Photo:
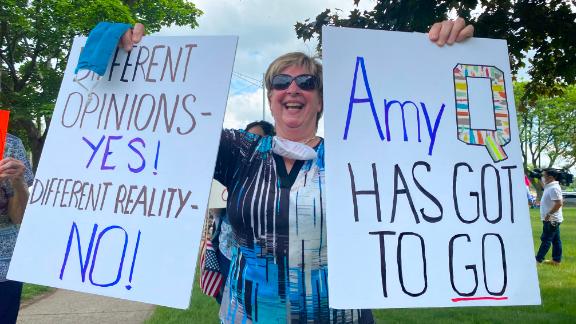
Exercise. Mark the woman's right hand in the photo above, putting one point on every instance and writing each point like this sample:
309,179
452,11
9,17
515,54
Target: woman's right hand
12,169
132,36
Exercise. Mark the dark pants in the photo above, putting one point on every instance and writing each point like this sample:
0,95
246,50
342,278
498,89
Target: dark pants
10,292
550,236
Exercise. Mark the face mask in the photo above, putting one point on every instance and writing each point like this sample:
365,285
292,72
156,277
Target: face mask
292,150
100,46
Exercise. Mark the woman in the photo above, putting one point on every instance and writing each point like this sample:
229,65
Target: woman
276,207
15,178
222,239
276,200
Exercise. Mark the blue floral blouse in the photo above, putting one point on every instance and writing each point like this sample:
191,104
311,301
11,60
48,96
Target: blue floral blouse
8,231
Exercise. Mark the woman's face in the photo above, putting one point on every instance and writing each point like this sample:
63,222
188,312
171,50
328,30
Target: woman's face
295,110
256,130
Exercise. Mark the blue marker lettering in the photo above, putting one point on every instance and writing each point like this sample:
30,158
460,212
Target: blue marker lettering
108,152
94,148
83,262
143,164
109,228
432,131
354,100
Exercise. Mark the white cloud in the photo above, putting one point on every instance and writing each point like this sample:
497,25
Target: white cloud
245,108
266,30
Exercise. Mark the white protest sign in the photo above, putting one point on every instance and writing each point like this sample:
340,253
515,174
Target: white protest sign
119,199
218,195
425,199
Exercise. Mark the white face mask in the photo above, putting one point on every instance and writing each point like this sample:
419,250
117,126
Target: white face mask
89,89
292,150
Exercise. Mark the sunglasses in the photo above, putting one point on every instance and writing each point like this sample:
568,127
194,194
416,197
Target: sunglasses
305,82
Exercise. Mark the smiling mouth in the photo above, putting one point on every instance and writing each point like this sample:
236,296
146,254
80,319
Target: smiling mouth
292,105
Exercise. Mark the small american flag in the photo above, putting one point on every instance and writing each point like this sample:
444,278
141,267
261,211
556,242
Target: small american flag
211,279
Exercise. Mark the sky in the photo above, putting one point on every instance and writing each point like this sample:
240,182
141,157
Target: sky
266,31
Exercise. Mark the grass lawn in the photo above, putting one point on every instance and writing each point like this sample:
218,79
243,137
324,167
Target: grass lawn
557,287
30,291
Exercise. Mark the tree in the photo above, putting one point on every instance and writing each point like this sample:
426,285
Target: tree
544,28
547,126
35,38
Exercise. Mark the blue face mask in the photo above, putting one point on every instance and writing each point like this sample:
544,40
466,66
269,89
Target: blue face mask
100,45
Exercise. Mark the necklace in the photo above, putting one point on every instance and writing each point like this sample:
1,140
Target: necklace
305,142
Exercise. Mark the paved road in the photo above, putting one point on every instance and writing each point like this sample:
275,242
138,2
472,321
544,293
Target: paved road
65,306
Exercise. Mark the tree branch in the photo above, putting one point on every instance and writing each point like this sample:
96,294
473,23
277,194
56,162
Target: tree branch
30,68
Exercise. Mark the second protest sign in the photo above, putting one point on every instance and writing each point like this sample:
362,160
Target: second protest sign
425,199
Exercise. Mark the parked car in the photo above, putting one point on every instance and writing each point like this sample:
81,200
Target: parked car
569,199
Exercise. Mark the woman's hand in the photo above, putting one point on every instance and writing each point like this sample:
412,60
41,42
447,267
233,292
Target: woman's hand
12,169
450,31
132,36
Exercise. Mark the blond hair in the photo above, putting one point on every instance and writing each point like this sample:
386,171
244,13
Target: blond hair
310,64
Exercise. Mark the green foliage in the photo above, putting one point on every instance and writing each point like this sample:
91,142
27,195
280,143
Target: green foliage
557,288
35,38
155,14
547,125
545,28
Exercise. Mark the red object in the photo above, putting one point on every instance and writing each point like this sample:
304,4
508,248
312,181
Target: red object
526,181
210,281
455,300
4,117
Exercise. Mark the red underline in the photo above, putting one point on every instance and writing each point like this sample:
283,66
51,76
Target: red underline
477,298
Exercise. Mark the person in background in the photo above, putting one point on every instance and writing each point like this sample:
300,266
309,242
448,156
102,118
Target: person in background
551,216
531,198
15,178
260,128
222,235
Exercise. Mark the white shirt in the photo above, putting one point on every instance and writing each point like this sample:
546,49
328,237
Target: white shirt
552,193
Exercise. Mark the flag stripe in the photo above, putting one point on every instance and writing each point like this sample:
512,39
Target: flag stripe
210,280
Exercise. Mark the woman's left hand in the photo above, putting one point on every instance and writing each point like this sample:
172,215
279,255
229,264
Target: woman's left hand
450,32
11,168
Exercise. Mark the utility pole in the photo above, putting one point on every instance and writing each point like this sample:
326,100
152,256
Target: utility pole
256,83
